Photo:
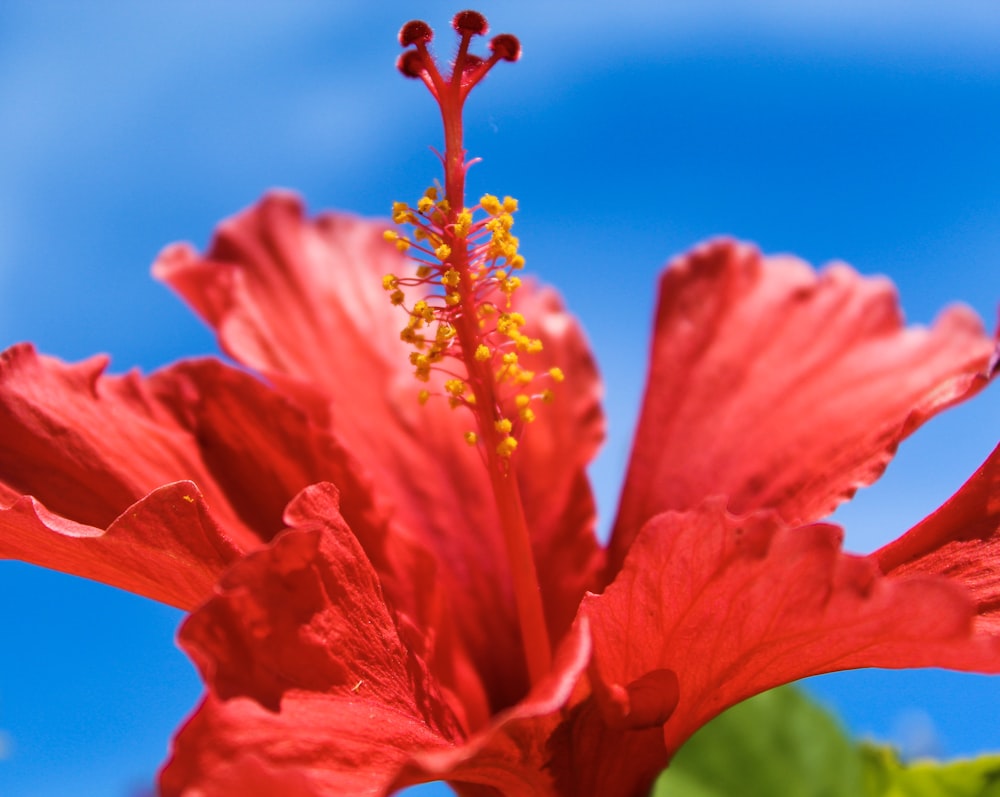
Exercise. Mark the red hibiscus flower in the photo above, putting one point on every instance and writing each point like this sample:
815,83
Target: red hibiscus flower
391,563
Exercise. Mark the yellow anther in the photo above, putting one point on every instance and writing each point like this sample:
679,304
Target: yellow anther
470,399
455,387
463,223
503,426
444,206
516,262
490,204
524,377
471,438
521,401
402,244
443,252
425,204
390,235
423,395
509,358
508,286
420,234
535,346
508,323
557,374
401,213
506,447
423,272
390,282
445,332
451,278
431,192
501,224
527,415
409,336
509,204
548,396
482,353
452,299
397,297
501,274
422,310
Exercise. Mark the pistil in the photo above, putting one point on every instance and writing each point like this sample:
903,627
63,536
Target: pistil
477,335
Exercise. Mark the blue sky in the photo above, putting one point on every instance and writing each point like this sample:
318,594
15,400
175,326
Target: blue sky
862,131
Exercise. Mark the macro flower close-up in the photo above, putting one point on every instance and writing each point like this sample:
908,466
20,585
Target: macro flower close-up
375,509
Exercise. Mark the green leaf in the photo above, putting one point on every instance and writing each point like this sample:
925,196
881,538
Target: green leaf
778,744
886,776
781,744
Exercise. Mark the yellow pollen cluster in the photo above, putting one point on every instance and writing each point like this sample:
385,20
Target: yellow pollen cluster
455,388
401,241
466,277
524,411
506,447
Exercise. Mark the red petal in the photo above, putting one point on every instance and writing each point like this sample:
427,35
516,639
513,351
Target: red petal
302,301
166,546
89,446
783,389
86,445
305,613
961,541
306,670
734,606
317,745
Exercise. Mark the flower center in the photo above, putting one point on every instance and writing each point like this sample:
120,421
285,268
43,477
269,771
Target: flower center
462,318
463,324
